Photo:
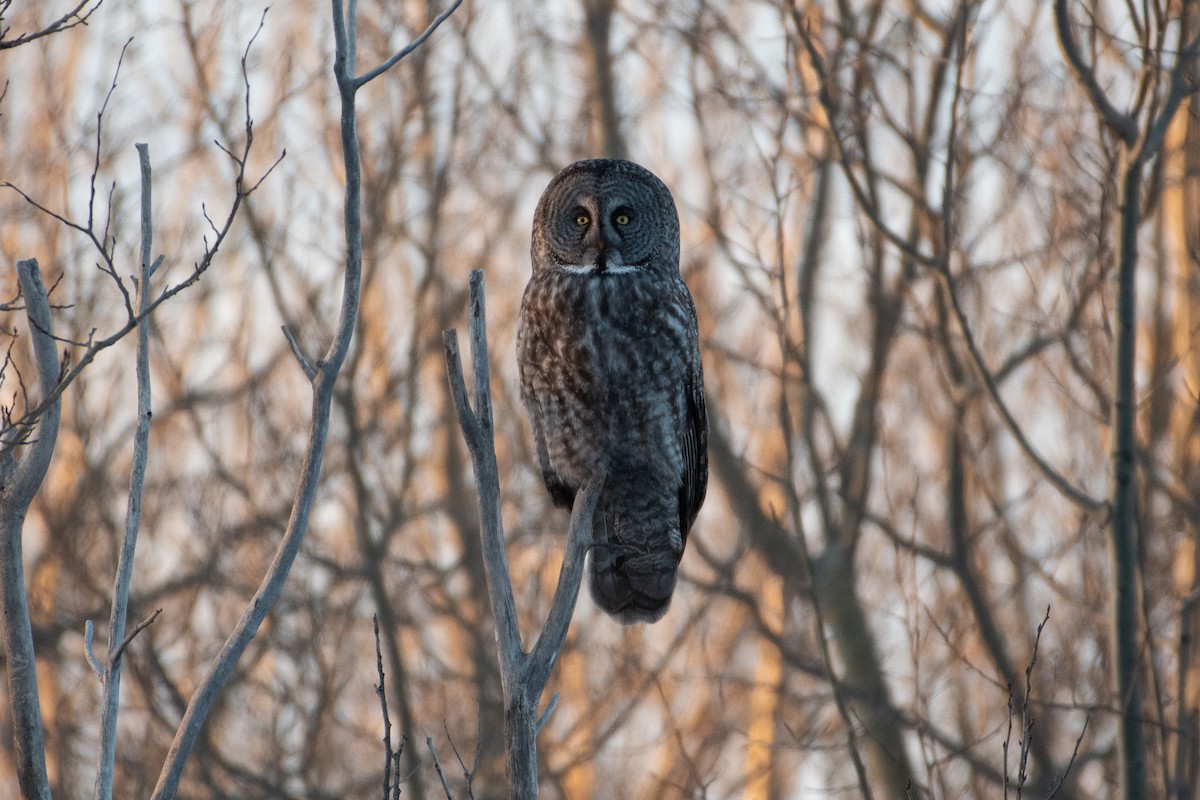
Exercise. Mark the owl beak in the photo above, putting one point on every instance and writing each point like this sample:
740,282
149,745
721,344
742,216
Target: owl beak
604,246
594,241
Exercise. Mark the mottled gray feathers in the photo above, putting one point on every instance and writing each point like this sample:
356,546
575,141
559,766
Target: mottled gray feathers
609,359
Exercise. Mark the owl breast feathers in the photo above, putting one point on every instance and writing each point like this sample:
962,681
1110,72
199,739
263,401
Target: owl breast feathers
609,360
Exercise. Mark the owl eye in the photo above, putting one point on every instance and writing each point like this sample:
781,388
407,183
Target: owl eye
622,218
582,219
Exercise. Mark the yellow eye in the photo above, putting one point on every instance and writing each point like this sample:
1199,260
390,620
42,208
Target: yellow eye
582,219
621,219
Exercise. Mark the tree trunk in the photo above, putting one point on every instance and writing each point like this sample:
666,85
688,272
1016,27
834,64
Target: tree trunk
1123,551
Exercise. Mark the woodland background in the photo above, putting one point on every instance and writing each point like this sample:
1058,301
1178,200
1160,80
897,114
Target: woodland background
878,199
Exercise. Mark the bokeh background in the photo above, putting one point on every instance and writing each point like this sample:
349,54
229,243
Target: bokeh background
877,550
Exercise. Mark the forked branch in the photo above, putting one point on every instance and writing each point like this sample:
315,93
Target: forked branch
524,674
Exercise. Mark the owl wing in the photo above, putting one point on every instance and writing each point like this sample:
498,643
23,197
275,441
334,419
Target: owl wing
695,441
562,494
531,364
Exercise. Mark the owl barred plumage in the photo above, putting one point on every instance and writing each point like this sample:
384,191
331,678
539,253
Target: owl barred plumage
609,359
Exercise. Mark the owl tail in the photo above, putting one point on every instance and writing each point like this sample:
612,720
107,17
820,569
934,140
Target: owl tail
632,580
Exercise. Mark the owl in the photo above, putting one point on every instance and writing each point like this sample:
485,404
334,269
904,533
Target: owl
609,359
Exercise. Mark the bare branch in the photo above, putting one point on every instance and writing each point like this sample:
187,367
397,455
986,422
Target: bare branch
129,637
1027,720
579,540
93,348
458,389
265,597
524,675
988,380
89,636
268,171
117,640
76,16
1070,762
362,80
391,757
477,429
468,772
112,87
545,717
391,765
44,209
21,479
326,373
1124,125
33,464
309,370
437,764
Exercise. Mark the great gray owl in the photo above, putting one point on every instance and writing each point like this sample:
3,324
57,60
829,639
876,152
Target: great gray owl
610,372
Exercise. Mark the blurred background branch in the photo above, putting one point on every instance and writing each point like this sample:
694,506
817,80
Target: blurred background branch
903,225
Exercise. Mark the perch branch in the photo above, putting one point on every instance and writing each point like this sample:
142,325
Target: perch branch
523,674
477,430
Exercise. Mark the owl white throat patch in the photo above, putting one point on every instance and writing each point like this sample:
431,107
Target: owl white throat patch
596,269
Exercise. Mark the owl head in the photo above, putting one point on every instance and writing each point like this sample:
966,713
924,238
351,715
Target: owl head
606,217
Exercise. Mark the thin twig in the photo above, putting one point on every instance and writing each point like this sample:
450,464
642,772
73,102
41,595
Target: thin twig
89,636
129,637
76,16
476,426
468,773
390,757
1027,718
437,764
1008,738
1074,753
309,370
545,717
208,257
